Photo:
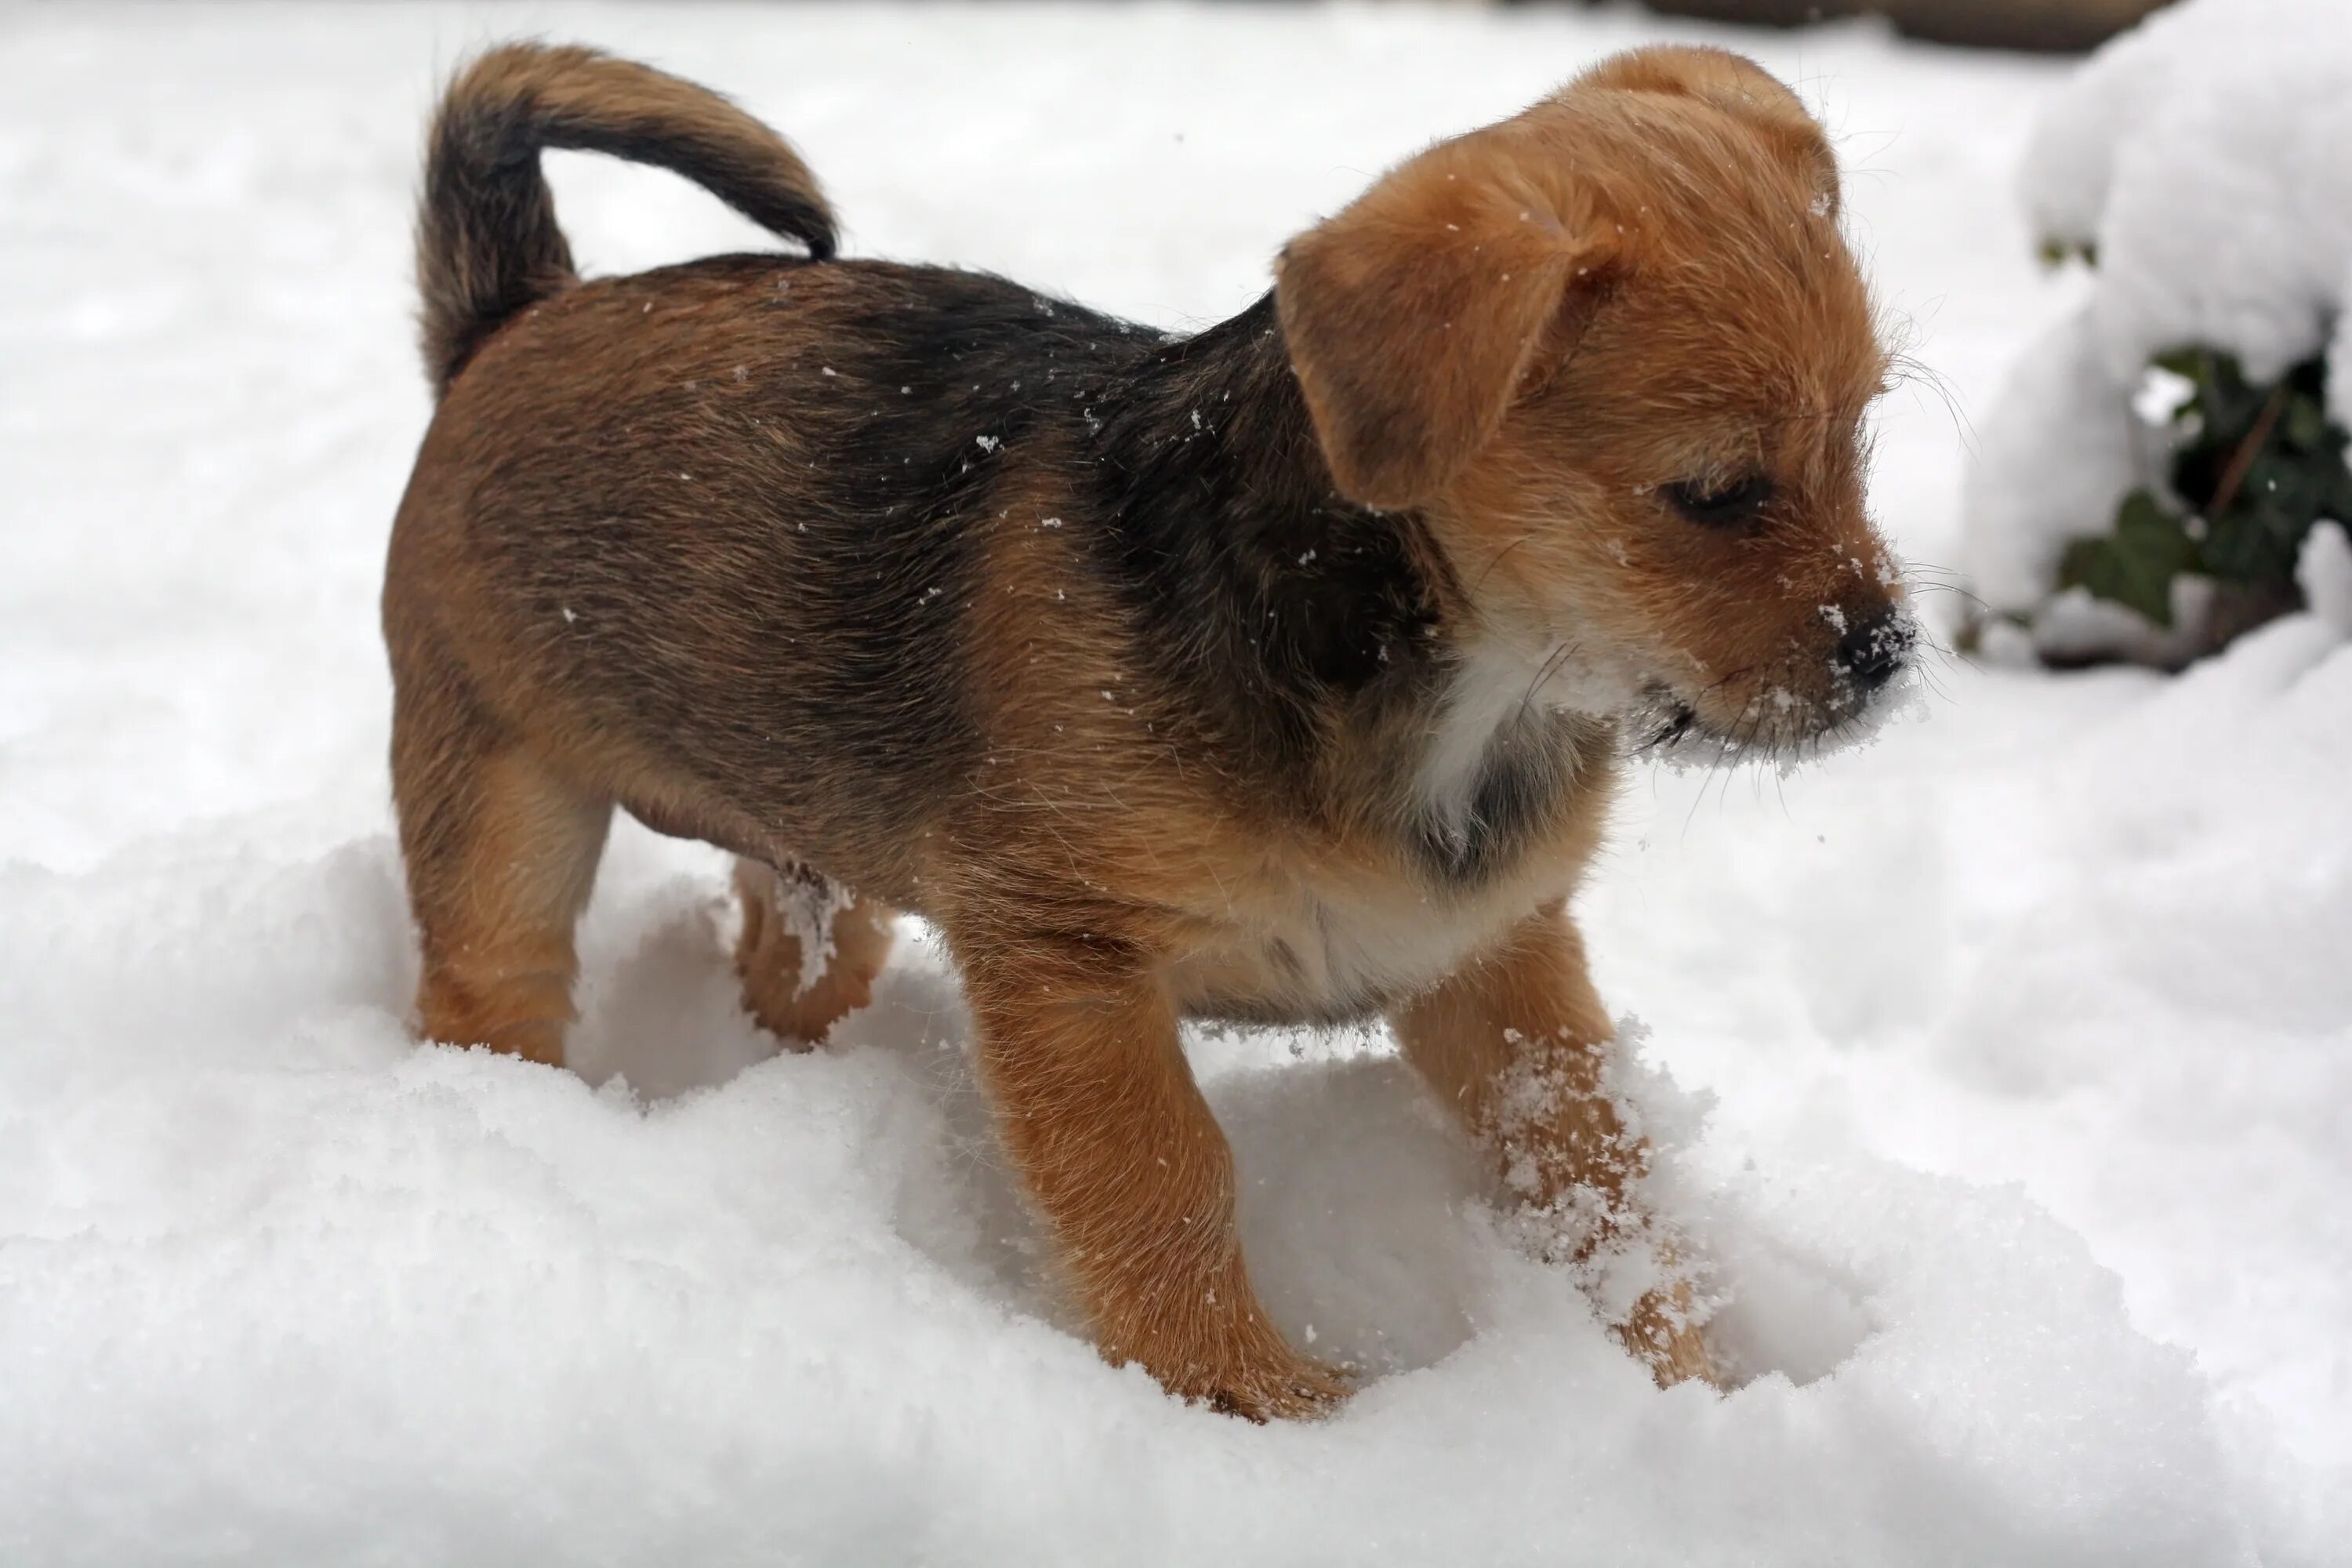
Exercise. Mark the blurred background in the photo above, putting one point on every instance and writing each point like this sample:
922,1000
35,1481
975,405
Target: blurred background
2057,25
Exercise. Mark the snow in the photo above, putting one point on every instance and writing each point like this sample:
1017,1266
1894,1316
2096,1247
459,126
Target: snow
2207,157
2323,571
807,906
2014,1053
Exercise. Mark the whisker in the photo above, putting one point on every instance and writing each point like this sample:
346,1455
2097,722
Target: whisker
1497,559
1550,667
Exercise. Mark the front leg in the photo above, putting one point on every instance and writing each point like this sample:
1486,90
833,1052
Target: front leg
1517,1042
1078,1052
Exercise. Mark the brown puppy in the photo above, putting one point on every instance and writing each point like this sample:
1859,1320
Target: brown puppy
1281,672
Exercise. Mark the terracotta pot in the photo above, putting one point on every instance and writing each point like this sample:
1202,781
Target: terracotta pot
1768,13
2051,24
2054,24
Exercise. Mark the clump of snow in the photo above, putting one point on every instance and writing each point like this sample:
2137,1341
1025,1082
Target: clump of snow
2205,158
2076,626
2055,455
2324,571
807,902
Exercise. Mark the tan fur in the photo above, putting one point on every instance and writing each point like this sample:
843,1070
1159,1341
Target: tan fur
619,573
1694,366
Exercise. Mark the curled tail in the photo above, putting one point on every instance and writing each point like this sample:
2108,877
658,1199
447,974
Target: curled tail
487,242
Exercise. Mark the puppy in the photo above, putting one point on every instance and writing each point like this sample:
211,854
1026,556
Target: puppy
1278,673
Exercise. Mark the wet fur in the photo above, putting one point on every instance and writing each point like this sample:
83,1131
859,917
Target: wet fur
1118,656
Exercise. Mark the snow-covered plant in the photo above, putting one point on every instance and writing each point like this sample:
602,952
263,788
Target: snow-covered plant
2146,484
2251,469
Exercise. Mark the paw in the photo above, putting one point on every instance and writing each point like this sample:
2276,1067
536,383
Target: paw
1664,1335
809,952
1299,1389
1238,1368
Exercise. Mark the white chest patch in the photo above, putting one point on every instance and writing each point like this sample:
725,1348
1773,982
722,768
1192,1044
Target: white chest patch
1332,953
1497,689
1314,939
1361,949
1494,686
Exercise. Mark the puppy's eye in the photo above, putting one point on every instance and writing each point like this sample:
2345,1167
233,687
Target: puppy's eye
1716,505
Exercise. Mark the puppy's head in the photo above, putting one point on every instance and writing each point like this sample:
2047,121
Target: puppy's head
1618,355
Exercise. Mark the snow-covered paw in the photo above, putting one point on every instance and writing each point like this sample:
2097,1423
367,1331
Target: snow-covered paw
809,950
1664,1335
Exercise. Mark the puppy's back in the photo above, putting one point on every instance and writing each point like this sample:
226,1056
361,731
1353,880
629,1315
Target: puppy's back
721,530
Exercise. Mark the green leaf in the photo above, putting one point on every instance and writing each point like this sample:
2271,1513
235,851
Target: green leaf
2304,429
2255,465
2135,565
2055,253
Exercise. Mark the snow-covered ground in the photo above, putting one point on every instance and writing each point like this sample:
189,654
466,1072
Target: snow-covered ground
2028,1031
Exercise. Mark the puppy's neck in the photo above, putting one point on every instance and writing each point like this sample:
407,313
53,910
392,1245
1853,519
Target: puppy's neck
1494,695
1502,753
1324,646
1276,603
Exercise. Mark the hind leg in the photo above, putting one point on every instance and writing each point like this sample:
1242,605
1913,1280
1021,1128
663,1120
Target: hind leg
501,852
810,949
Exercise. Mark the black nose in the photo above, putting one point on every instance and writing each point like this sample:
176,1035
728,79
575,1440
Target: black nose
1872,650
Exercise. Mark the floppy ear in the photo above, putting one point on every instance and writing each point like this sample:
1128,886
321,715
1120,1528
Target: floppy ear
1415,316
1740,87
